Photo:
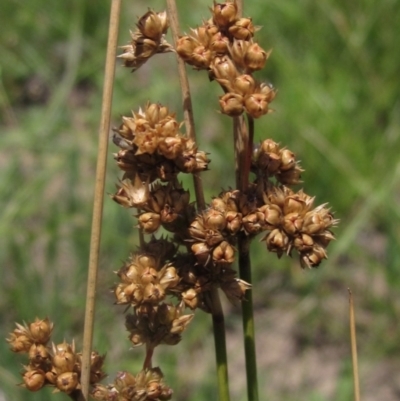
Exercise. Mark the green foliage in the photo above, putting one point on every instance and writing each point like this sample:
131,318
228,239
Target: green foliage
335,64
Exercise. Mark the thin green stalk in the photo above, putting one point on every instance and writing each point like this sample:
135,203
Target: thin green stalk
220,345
99,194
243,138
248,319
216,308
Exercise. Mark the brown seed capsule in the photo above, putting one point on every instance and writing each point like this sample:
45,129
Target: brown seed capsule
34,379
277,241
180,324
19,340
185,46
231,104
244,84
38,354
64,361
288,159
252,223
303,242
214,219
150,25
256,104
313,258
67,382
171,147
191,298
153,293
290,177
153,390
149,275
255,57
200,58
223,253
233,221
149,222
202,252
219,43
224,68
169,277
292,223
224,13
272,216
40,330
242,29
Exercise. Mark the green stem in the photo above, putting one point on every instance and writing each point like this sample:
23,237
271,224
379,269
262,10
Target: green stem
243,151
248,319
220,345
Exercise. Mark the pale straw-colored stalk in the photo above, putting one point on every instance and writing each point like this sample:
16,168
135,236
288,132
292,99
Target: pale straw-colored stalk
99,193
353,339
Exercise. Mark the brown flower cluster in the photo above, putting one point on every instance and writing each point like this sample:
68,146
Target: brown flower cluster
147,40
224,46
58,366
153,147
289,219
270,160
147,385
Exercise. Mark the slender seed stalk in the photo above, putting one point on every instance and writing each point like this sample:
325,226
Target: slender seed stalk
99,194
217,312
353,339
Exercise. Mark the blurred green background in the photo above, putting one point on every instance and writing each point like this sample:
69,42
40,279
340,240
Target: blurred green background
336,65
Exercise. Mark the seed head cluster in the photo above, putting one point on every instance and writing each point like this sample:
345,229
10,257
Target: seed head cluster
58,366
224,46
147,40
147,385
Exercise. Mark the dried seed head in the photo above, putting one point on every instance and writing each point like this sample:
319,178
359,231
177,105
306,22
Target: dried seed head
223,68
244,84
185,47
256,104
200,58
202,252
255,57
233,221
34,379
38,354
231,104
67,382
224,14
191,298
214,219
168,277
253,223
149,222
151,26
277,241
219,43
272,215
312,258
223,253
20,340
40,330
242,29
